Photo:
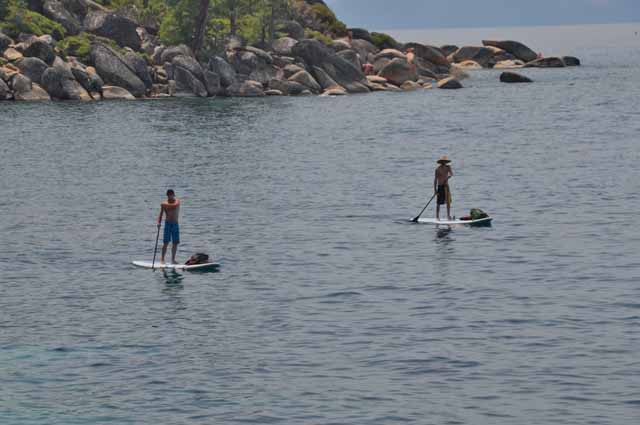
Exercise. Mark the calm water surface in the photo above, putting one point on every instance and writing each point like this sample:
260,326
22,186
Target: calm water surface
329,307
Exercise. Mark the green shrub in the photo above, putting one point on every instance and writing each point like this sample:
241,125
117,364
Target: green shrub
318,36
77,45
384,41
324,13
22,20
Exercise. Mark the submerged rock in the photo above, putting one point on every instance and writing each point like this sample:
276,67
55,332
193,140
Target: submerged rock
571,61
449,83
512,77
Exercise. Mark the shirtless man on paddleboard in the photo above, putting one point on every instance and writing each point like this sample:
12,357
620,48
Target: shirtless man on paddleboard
170,208
441,185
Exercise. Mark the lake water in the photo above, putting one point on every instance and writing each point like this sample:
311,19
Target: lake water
329,306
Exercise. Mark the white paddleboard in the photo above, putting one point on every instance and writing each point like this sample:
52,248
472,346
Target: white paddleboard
483,221
158,265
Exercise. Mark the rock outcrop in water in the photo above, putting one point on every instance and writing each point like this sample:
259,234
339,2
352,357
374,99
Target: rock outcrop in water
119,53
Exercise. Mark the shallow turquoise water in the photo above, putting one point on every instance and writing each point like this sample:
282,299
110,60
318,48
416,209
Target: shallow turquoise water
329,307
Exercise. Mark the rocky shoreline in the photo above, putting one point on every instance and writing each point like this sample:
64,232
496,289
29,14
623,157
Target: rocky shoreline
121,59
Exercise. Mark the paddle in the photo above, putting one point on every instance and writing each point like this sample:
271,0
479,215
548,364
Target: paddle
415,220
155,250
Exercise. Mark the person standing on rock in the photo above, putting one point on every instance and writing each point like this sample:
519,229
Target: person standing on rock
411,59
170,208
441,185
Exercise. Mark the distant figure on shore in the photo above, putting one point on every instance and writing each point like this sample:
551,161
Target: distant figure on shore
540,56
411,58
367,68
350,36
171,209
441,185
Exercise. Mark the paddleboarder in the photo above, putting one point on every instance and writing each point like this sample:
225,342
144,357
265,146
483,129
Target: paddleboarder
441,185
171,209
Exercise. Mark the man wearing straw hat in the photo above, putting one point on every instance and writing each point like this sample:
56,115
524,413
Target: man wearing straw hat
441,185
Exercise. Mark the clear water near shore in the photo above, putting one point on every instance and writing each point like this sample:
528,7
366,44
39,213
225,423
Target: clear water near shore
329,306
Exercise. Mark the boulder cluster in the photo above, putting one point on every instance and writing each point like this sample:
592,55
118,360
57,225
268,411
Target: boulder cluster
125,61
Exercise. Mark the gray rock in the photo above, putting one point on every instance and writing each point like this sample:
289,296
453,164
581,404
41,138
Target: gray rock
365,49
447,49
212,83
190,64
56,11
429,53
169,53
282,61
379,64
482,55
5,42
519,50
186,82
283,46
340,45
139,66
292,69
264,73
116,93
398,71
325,81
60,83
314,53
20,84
571,61
243,61
390,54
5,92
550,62
113,69
449,83
219,66
291,88
304,78
32,68
512,77
247,88
168,70
351,56
292,29
118,28
40,49
36,93
157,55
261,54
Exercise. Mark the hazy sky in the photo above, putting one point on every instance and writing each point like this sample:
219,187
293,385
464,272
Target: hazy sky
398,14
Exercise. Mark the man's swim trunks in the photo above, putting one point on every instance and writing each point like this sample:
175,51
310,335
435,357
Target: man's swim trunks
444,194
171,232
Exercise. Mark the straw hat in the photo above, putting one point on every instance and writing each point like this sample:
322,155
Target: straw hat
444,159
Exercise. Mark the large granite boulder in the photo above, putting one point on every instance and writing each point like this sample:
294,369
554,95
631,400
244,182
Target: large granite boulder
139,66
5,42
292,29
12,54
32,68
243,61
325,81
60,83
212,83
265,72
304,78
447,49
247,88
261,54
283,46
351,56
550,62
113,69
87,78
38,48
365,49
389,54
512,77
5,92
187,83
314,53
118,28
340,44
397,71
482,55
189,64
291,69
517,49
292,88
36,93
222,68
56,11
429,53
167,55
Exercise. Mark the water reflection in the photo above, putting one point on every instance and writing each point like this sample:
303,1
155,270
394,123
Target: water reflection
172,280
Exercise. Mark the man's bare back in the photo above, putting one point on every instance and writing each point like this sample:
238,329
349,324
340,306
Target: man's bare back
443,172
